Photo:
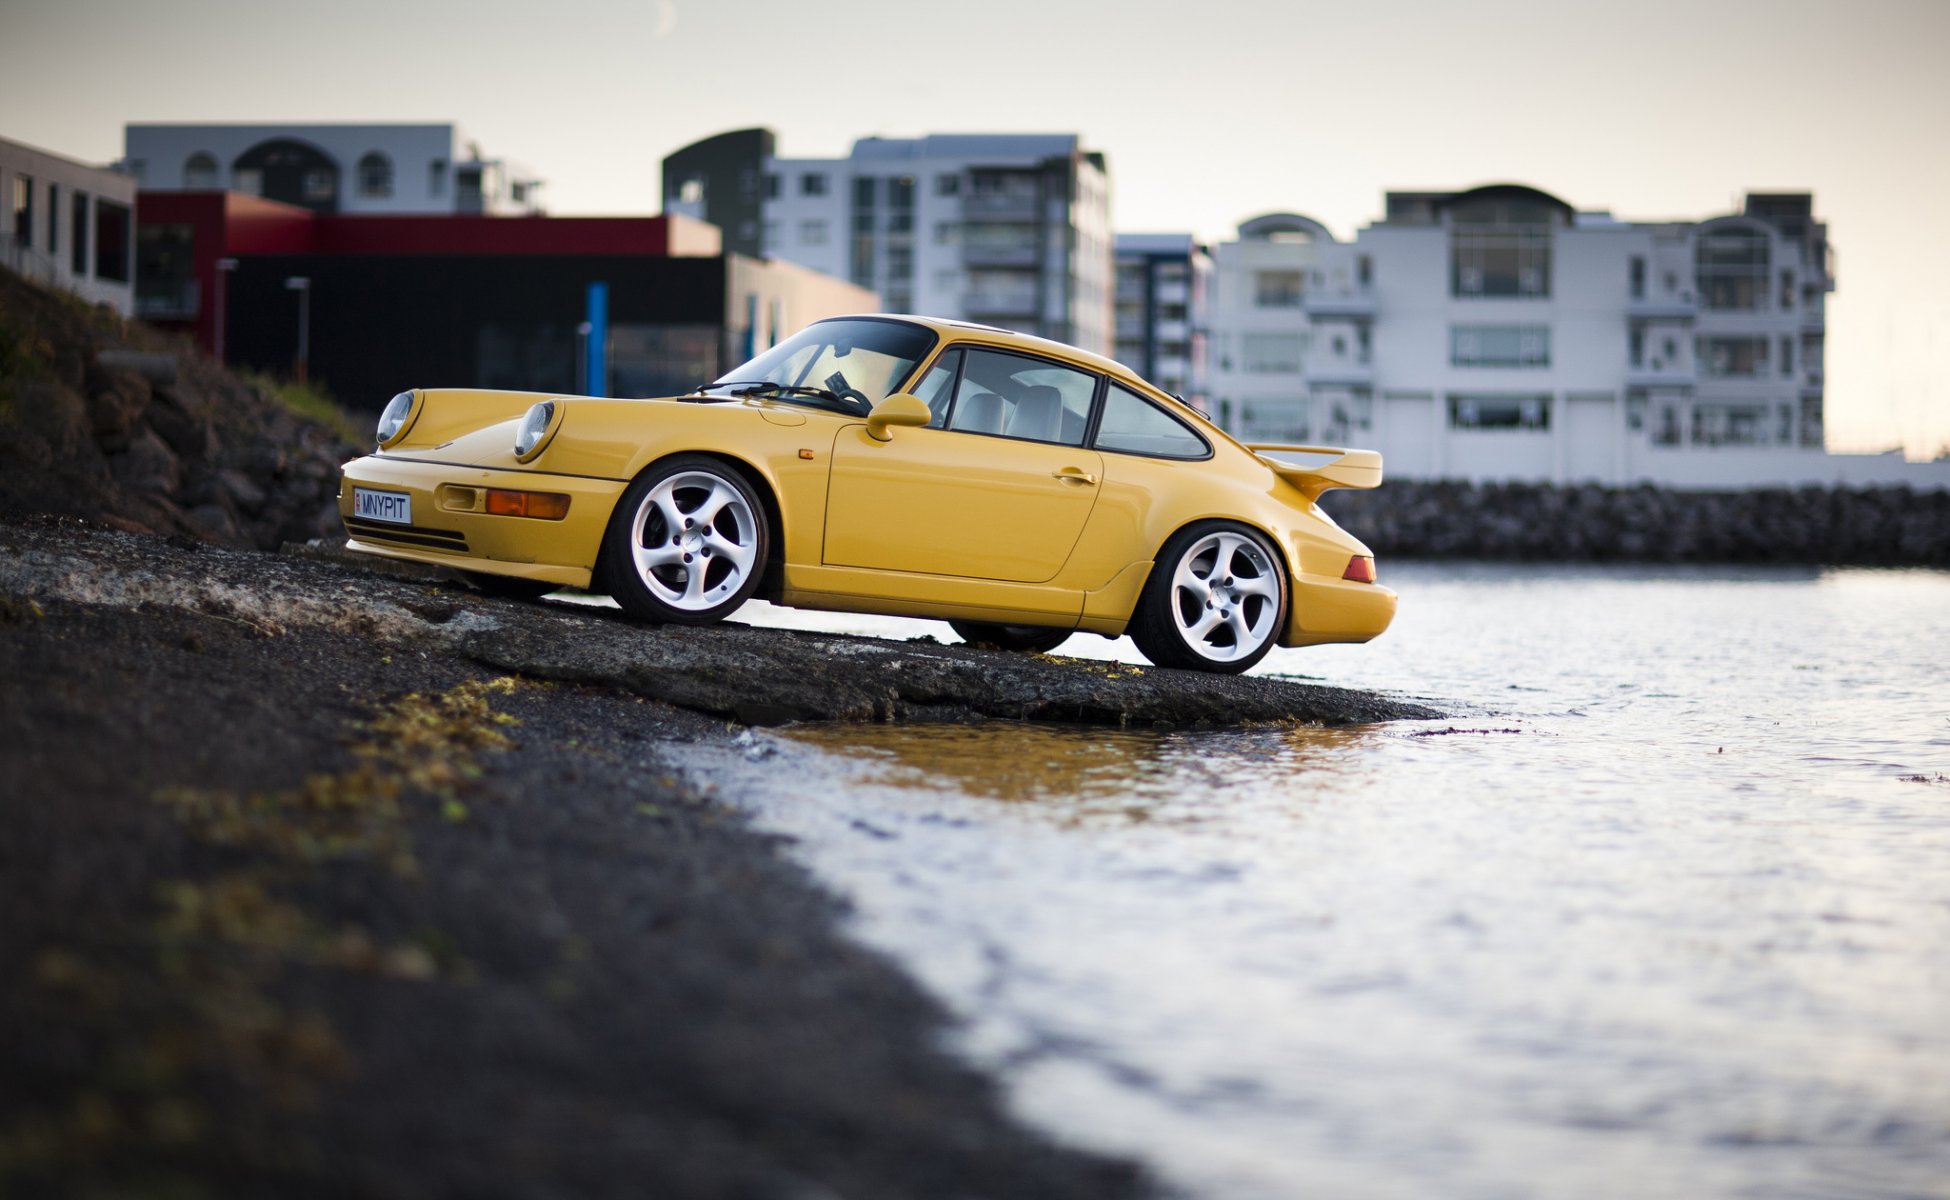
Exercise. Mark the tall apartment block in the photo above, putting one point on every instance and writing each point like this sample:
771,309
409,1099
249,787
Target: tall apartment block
1500,333
1007,229
1163,286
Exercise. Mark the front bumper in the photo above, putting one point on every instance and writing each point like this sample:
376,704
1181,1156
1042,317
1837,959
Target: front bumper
450,530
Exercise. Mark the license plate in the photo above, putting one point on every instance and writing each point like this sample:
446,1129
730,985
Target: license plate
395,507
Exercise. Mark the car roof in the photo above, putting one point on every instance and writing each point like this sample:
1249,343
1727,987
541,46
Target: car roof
962,331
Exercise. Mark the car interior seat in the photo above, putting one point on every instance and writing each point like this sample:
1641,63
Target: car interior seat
1038,414
980,412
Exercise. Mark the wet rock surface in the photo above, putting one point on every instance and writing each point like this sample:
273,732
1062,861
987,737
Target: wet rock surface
754,676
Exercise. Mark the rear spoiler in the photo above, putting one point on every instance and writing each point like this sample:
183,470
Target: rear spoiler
1315,469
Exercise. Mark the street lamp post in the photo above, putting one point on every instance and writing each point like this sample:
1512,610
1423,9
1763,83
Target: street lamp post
301,284
224,267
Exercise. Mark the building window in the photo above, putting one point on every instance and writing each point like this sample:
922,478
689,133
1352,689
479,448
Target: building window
1787,289
1500,346
1272,353
1276,289
320,183
1732,267
947,185
1787,355
812,233
200,171
1732,357
691,191
771,185
1729,424
865,189
812,183
1364,270
23,206
436,177
376,176
248,180
78,235
946,233
53,219
1501,248
1495,411
112,241
1638,277
1635,347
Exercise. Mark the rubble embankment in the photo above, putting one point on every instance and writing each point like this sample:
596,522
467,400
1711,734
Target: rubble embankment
1885,526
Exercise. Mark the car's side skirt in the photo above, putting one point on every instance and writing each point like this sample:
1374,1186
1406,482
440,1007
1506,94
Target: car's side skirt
937,597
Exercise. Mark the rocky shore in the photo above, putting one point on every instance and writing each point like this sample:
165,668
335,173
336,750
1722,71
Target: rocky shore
1540,522
329,882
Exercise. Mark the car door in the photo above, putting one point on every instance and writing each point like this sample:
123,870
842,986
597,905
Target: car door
999,488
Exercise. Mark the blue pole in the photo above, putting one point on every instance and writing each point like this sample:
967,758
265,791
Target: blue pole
596,348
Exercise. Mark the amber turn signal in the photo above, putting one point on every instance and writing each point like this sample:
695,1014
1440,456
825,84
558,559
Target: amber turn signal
545,506
1360,569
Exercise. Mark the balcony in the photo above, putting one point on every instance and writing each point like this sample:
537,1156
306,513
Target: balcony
1657,375
1014,205
1357,303
1679,307
999,254
1344,372
1010,304
167,299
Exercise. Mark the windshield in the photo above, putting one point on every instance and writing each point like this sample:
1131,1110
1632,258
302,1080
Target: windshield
850,364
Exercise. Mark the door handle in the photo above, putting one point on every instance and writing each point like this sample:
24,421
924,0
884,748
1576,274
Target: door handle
1074,475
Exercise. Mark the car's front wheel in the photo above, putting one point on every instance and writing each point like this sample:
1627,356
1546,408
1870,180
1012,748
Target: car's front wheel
1215,601
687,543
1033,639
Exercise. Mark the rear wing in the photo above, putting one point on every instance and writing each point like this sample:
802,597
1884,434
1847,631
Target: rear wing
1315,469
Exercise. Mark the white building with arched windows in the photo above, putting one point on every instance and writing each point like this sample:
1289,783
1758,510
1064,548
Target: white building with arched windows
381,169
1499,334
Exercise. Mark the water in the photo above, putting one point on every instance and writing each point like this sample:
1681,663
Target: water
1660,911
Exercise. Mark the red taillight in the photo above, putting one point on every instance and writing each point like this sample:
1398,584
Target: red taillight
546,506
1360,569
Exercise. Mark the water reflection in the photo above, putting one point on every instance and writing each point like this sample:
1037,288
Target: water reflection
1083,776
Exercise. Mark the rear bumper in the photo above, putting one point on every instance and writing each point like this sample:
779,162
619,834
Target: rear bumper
450,530
1336,610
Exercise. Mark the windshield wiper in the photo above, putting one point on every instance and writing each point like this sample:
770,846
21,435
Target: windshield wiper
780,389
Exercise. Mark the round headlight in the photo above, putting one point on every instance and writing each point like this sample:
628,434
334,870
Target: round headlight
392,422
528,438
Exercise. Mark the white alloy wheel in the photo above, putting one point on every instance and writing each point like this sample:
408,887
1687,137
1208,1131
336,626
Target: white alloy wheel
1215,603
693,547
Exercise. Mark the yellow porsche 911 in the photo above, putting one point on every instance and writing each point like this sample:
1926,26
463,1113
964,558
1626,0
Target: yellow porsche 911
1019,489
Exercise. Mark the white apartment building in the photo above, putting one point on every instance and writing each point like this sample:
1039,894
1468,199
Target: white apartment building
1164,281
1005,229
1499,334
68,225
390,169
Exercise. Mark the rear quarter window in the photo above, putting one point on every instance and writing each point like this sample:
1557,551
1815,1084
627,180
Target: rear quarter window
1133,425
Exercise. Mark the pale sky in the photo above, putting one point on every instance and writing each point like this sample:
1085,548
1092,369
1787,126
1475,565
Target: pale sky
1210,111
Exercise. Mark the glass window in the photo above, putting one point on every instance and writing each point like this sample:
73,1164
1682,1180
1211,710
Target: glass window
947,185
1276,289
1017,396
1732,357
1732,267
863,190
248,180
53,219
376,176
112,241
1133,425
78,237
812,183
812,233
935,386
1500,248
1500,412
861,360
200,171
1272,353
1500,346
23,206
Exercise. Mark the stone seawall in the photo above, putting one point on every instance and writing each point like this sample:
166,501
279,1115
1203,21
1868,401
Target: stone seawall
1866,526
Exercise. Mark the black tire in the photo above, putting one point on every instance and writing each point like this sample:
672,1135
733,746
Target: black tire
508,587
687,543
1216,600
1034,639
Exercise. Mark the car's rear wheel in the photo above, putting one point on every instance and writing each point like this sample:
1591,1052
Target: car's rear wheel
687,543
1215,601
508,586
1034,639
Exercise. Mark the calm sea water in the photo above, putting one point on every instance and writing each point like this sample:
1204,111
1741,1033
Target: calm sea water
1662,910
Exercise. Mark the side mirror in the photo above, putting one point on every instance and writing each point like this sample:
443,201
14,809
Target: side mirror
901,408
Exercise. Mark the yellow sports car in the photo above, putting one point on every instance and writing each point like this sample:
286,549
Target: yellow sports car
1017,488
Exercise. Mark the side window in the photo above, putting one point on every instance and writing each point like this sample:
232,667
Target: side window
935,385
1021,397
1134,425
